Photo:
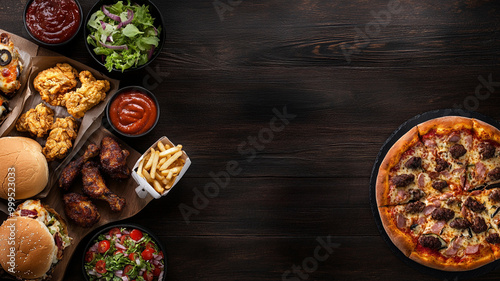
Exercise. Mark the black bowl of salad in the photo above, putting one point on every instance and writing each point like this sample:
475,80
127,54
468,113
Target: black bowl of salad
125,251
124,36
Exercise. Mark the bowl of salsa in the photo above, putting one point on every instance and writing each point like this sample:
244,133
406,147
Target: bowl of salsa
133,111
53,22
124,251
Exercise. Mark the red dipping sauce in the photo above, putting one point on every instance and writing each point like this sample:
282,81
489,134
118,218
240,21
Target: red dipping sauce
133,112
53,21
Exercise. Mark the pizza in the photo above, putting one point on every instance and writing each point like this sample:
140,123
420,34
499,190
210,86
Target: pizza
438,193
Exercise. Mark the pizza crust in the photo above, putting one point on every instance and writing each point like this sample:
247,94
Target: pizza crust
390,160
400,239
445,125
439,262
486,131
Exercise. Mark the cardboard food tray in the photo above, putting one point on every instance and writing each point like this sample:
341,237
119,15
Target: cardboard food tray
36,59
144,187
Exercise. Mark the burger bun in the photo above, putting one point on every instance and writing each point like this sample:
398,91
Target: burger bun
23,168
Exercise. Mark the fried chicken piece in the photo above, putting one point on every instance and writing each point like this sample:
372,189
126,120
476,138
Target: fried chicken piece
95,187
114,159
80,209
60,139
53,83
74,168
37,121
87,96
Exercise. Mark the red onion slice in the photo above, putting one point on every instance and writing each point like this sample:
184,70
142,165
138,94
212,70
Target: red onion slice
129,20
120,47
110,15
151,52
120,246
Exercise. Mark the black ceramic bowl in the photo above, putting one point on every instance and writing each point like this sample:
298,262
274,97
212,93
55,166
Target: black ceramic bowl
128,226
132,88
47,44
158,21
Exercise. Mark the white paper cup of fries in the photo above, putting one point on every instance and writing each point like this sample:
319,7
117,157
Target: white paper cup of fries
160,168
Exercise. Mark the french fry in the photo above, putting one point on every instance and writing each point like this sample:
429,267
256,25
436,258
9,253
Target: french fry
171,150
157,186
147,176
175,170
159,176
155,163
171,160
170,174
164,181
169,185
161,147
139,169
162,160
150,162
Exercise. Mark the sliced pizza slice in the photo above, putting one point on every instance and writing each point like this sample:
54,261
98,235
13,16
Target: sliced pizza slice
451,241
401,177
449,141
484,160
482,207
404,224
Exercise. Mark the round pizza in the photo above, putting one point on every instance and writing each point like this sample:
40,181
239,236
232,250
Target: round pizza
438,193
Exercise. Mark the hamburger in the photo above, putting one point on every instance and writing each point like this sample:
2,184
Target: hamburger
23,167
33,240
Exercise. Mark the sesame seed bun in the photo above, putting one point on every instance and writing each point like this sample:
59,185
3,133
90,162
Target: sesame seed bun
31,171
33,246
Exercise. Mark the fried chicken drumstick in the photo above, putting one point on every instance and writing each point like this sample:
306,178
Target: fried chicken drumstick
94,186
74,168
80,209
114,159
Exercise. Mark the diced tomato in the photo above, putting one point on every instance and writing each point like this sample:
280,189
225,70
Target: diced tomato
89,256
136,234
147,254
148,276
161,254
123,239
151,245
132,256
100,266
113,231
118,252
127,269
103,246
156,271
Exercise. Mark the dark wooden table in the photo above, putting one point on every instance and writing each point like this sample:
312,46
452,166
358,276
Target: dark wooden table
284,106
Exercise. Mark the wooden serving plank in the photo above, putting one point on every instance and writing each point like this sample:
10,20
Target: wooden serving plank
125,189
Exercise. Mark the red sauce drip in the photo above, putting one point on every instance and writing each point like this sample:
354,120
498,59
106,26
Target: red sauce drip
133,112
53,21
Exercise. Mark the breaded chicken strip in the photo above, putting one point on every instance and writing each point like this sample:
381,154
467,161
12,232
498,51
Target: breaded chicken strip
37,121
53,83
87,96
60,139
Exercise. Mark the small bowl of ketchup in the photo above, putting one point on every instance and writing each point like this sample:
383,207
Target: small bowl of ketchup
133,111
53,23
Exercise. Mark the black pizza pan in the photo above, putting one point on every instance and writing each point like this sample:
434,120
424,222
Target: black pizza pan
398,133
